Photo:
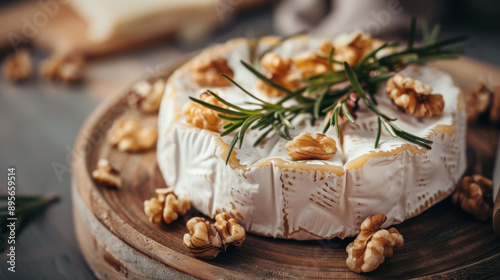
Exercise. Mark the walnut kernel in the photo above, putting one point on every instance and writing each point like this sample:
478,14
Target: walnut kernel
128,136
146,138
174,207
483,100
232,232
203,117
66,69
474,194
106,174
166,206
414,97
279,70
306,146
353,47
478,101
154,209
147,95
275,64
17,67
348,47
206,240
372,245
207,72
311,63
203,240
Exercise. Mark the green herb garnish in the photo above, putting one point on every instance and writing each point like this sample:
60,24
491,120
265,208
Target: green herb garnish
25,207
318,98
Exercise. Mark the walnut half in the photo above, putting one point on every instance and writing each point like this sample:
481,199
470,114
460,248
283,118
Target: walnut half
314,62
414,97
17,67
483,100
166,206
147,95
128,136
279,70
478,101
203,240
353,47
206,240
207,72
66,69
203,117
350,48
372,245
307,146
474,194
106,174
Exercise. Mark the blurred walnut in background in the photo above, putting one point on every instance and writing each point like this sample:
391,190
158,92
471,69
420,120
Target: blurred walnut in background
474,194
128,136
17,67
208,72
483,102
107,174
146,95
65,69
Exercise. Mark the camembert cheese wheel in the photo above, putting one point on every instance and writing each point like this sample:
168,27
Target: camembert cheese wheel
271,194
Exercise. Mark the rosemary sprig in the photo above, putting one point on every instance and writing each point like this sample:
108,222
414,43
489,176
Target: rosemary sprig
274,116
318,96
26,207
411,35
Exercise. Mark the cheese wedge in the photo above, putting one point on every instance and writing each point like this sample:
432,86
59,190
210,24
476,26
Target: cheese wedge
272,195
111,19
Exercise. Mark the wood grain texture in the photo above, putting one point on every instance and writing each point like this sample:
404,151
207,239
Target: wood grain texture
118,241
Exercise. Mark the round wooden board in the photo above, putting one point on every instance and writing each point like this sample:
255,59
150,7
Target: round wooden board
119,242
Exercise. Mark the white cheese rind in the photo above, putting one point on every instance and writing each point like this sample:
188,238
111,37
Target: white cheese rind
272,195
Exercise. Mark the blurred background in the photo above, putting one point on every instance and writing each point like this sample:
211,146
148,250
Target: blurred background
84,51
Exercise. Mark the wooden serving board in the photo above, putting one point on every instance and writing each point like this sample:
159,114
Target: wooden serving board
119,242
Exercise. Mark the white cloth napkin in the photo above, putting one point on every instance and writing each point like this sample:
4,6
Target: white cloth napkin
380,18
